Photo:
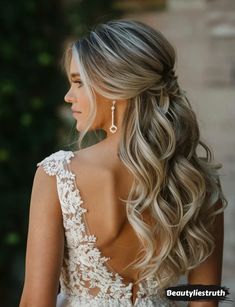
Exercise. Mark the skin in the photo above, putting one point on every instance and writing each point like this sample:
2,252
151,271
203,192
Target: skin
45,243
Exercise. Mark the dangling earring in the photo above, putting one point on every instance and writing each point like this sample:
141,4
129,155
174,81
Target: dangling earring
113,128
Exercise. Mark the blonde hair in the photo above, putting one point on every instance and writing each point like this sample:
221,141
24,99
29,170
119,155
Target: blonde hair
127,59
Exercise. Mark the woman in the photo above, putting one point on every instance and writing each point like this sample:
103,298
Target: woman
119,221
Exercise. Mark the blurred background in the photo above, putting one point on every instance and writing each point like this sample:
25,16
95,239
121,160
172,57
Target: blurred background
35,121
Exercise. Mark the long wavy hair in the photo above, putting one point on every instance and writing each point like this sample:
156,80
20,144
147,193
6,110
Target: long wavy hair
127,59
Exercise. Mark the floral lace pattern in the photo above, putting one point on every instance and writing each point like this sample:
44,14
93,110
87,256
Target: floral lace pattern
84,269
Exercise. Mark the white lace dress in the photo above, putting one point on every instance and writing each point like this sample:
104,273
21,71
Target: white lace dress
84,270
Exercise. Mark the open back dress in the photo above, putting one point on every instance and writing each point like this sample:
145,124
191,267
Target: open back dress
86,279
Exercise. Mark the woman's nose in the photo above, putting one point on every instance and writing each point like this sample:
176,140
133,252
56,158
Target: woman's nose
69,97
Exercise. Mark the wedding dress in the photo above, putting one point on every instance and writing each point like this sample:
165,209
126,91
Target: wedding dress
84,269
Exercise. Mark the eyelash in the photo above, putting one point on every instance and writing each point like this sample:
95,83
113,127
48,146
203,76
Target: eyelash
78,82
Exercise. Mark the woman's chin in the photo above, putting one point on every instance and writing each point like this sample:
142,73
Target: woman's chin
78,126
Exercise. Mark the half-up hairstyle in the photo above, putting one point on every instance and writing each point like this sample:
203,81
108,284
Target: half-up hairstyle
126,59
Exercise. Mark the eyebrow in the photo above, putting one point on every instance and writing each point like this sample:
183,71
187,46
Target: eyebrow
73,75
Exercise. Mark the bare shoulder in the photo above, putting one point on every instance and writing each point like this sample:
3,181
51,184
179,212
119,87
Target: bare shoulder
97,168
94,158
91,172
44,196
43,182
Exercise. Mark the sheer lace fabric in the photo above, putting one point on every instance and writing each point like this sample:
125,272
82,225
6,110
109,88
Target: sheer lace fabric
85,278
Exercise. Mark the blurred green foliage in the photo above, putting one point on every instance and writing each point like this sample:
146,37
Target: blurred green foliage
32,87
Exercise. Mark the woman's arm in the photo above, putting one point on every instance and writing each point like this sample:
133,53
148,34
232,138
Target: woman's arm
45,244
210,271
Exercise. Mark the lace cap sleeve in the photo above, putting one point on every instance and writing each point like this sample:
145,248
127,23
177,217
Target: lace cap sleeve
53,163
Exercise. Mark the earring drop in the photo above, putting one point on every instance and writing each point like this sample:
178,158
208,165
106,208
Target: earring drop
113,128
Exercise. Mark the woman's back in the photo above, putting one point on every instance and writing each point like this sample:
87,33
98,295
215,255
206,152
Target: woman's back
103,181
100,233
